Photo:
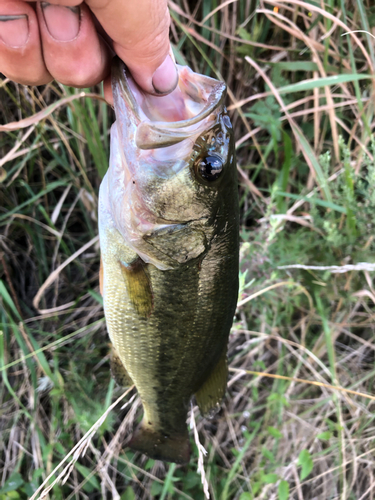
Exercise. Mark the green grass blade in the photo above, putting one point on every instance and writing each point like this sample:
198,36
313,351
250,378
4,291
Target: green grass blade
48,189
237,463
315,201
168,482
322,181
328,81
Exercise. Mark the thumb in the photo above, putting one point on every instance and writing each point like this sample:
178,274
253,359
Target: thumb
140,33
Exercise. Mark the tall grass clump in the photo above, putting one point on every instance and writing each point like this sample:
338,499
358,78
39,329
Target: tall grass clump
298,419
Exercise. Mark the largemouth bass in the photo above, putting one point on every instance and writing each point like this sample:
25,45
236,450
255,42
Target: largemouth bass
168,225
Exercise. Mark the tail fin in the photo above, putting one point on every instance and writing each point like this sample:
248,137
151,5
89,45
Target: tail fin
158,445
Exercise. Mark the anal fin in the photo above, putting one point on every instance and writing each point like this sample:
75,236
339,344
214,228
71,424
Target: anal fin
118,370
211,393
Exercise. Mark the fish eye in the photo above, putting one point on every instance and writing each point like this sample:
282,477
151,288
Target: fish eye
210,167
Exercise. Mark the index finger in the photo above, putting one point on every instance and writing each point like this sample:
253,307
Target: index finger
140,33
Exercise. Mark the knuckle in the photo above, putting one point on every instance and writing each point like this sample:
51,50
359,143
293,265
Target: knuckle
155,45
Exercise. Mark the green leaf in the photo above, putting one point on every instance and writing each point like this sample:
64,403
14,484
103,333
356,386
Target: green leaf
149,464
274,432
13,483
306,463
325,436
268,454
244,34
60,448
256,486
128,494
266,114
246,496
156,489
191,480
270,478
10,496
30,489
92,480
283,490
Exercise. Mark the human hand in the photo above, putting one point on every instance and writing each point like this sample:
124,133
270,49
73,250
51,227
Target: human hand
61,40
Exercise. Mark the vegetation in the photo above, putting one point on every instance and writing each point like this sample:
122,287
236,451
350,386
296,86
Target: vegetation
298,418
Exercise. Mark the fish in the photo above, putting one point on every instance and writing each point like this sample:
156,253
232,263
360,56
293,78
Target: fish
169,239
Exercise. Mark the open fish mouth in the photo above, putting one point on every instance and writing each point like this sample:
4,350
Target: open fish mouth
164,121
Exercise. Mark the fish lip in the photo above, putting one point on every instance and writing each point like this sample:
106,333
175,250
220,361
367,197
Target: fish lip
119,78
158,134
216,98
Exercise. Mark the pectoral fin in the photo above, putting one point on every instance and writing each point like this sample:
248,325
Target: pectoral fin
138,286
118,370
210,395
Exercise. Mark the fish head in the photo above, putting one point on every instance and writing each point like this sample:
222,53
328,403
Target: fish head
172,161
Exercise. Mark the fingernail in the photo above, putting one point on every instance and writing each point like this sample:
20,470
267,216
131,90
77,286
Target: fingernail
14,30
165,77
63,23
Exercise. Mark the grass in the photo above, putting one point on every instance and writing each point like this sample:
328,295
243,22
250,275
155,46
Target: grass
298,419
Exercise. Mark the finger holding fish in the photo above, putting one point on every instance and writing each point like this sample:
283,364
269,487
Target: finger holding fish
73,42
